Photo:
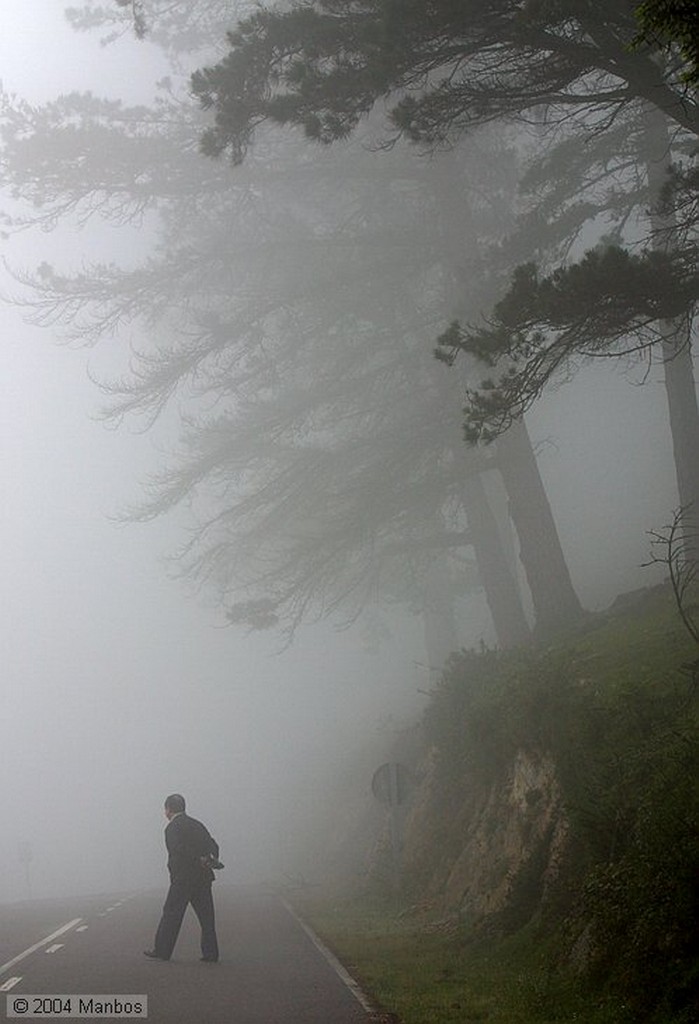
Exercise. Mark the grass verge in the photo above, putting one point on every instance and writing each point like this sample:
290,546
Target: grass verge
424,976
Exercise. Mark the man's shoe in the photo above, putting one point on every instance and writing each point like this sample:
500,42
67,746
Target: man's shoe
152,955
209,959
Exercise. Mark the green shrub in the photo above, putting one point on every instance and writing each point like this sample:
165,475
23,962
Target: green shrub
616,710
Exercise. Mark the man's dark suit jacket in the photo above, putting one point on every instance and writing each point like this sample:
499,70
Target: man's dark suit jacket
187,841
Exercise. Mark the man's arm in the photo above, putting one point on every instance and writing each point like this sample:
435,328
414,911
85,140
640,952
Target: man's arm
176,847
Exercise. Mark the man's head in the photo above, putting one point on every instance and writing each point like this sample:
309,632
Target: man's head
174,804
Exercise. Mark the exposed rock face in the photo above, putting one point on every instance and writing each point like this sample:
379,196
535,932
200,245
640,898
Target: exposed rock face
500,845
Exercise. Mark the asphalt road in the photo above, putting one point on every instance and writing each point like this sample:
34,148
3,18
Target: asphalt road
271,969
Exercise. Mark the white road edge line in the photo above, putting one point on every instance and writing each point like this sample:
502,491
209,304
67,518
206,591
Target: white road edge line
341,971
37,945
10,983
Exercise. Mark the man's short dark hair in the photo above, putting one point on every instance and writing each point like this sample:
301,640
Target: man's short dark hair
174,803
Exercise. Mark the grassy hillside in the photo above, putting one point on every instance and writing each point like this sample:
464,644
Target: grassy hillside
615,938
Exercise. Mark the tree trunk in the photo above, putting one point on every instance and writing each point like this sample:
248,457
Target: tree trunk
684,424
678,366
555,601
556,604
501,588
441,637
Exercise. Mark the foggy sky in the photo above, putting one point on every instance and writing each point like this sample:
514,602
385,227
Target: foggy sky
118,687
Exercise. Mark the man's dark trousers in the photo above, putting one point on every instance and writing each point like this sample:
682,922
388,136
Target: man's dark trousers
180,894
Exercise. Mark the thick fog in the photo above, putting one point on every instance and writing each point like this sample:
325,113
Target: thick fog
120,685
117,687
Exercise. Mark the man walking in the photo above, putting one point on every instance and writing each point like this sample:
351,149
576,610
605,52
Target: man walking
192,854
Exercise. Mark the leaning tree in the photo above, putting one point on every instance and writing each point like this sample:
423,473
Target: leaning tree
444,69
297,329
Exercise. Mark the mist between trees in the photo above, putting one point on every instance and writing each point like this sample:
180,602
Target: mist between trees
325,196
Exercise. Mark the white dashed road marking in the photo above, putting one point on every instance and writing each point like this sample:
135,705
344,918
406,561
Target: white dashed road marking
10,983
56,945
37,945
